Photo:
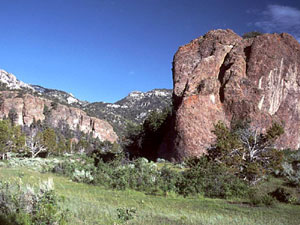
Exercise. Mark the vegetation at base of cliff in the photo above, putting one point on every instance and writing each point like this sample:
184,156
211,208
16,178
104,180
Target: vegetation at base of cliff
190,178
93,204
291,168
246,151
42,140
236,168
144,140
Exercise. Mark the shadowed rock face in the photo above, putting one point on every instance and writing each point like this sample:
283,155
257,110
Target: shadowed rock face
29,108
222,76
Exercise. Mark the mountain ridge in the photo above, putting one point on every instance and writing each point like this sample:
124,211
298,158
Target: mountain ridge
133,108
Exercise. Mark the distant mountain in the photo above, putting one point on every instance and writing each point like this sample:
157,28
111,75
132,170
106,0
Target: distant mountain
9,81
34,106
60,96
134,108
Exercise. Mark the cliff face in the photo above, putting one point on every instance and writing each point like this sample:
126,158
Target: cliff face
29,108
222,76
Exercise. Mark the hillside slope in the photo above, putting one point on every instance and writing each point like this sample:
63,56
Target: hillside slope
132,109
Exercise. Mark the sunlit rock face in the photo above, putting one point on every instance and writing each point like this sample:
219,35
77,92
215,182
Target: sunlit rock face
221,76
29,108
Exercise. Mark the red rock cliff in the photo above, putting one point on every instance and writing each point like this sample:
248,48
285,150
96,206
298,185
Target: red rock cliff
30,108
222,76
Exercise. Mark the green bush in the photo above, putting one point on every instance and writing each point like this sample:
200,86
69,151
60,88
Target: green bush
245,151
206,177
291,168
79,169
26,205
168,180
138,175
282,195
258,199
201,177
125,214
144,140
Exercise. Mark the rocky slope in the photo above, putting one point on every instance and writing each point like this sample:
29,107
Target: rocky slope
134,108
9,81
58,96
221,76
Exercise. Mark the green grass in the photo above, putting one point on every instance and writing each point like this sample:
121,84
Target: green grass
274,183
96,205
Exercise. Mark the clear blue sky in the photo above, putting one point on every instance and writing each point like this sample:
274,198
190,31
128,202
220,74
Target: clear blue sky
100,50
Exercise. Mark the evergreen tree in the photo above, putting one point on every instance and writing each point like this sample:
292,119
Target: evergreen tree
144,141
49,140
5,137
13,116
61,145
11,138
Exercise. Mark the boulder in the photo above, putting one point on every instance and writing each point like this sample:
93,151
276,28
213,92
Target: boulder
222,77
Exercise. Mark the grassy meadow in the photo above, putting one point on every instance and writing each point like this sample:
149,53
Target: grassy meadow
89,204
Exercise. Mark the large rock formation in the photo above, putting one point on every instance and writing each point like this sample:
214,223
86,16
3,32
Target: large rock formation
221,76
28,108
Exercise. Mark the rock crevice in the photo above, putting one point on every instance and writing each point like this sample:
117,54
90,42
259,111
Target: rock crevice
222,79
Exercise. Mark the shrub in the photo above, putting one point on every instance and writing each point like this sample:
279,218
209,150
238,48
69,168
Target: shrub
159,160
144,140
211,179
261,199
26,205
281,194
268,200
125,214
291,168
82,176
38,164
139,175
168,180
79,169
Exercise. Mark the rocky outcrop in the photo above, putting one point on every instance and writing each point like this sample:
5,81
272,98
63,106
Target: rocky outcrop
11,82
221,76
28,108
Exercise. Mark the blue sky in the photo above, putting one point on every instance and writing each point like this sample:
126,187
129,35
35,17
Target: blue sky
100,50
